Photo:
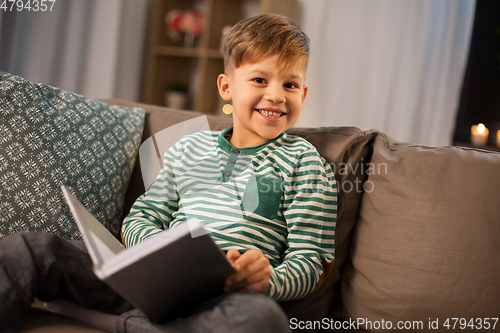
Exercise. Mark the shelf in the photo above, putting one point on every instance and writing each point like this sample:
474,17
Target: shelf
176,51
168,60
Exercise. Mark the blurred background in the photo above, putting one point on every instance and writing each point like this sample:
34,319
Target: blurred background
422,71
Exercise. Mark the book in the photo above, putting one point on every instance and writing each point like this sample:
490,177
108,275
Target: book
164,276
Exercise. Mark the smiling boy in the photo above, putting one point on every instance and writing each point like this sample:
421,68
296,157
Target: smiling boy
282,235
276,237
265,61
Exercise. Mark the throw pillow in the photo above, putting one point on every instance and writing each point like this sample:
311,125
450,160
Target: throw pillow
49,136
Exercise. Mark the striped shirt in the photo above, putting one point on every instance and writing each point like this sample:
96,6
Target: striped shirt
279,197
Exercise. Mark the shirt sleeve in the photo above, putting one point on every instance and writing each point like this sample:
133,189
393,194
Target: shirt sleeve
153,211
310,211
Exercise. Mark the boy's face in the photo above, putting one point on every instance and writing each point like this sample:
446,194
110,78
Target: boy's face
265,101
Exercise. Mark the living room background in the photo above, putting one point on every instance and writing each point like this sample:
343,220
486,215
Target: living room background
93,47
396,66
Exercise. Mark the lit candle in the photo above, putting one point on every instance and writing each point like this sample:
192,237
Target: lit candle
479,135
498,138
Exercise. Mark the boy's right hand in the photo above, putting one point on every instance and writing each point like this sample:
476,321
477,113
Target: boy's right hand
252,271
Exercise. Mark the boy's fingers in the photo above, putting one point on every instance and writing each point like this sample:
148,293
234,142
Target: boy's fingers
253,267
247,258
253,272
232,255
262,275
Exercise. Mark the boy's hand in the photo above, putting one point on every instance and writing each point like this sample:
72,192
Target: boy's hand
252,271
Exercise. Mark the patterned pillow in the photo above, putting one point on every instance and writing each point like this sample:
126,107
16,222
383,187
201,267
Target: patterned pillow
48,137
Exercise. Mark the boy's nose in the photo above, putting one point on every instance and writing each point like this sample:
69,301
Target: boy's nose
275,95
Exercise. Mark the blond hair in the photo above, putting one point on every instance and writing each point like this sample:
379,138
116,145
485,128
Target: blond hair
255,38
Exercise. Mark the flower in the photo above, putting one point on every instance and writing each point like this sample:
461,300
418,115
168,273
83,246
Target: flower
172,21
189,22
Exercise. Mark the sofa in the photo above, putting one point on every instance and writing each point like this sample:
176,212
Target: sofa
417,234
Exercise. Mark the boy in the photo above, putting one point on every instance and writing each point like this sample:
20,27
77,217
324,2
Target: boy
267,198
265,61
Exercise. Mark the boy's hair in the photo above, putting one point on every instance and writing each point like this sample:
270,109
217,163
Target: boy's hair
259,37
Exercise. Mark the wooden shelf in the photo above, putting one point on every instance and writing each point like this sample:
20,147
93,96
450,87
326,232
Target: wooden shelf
199,66
177,51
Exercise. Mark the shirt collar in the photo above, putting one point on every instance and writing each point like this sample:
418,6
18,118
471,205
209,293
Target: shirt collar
228,147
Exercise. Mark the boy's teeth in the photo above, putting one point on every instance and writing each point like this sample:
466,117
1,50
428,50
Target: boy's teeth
270,113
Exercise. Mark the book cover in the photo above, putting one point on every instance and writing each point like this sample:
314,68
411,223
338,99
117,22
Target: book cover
165,276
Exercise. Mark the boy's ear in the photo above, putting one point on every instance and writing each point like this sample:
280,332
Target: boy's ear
223,85
304,93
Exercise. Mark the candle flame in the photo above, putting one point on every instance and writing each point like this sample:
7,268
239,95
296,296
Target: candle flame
481,128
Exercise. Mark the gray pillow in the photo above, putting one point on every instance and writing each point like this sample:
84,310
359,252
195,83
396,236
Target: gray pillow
426,243
48,137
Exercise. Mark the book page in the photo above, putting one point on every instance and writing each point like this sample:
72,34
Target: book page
104,250
100,243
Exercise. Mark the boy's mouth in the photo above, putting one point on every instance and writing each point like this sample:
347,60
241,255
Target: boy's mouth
272,114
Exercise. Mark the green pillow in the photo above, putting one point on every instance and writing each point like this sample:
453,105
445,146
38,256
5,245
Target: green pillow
49,136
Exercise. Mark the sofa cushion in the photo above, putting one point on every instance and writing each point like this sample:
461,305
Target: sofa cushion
48,137
426,244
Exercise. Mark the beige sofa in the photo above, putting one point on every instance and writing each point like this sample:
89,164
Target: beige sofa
417,237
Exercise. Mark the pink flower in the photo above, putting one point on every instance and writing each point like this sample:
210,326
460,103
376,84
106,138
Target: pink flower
173,23
189,22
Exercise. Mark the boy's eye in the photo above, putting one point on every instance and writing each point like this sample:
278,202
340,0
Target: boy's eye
259,80
290,85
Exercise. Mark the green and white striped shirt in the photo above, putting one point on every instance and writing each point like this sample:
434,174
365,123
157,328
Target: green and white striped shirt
279,197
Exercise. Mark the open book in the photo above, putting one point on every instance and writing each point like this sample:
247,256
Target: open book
163,276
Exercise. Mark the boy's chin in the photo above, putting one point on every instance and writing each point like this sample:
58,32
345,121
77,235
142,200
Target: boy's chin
273,130
270,133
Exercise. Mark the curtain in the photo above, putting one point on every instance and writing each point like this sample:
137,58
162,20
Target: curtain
391,65
92,47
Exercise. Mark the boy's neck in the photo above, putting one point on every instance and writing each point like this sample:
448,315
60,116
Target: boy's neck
238,142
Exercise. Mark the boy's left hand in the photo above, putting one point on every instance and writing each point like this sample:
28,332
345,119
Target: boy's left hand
252,271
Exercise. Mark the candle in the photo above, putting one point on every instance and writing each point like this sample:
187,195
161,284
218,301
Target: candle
498,138
479,135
